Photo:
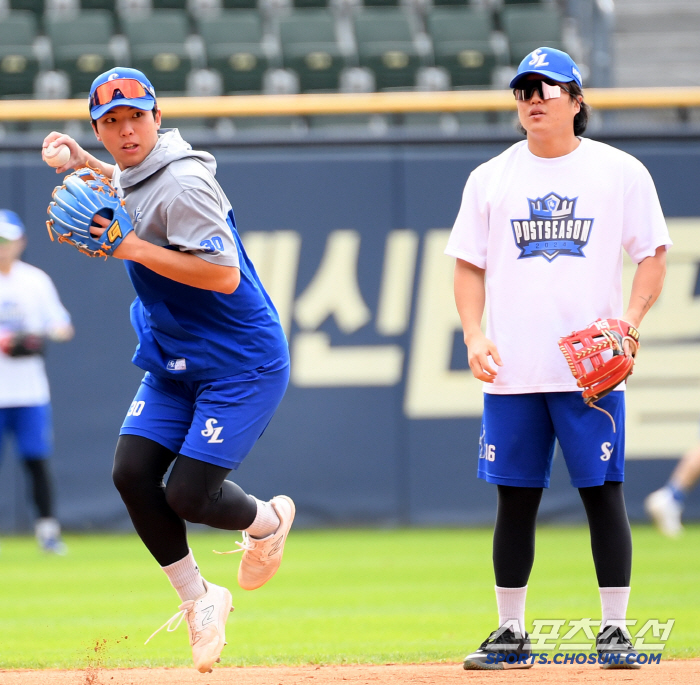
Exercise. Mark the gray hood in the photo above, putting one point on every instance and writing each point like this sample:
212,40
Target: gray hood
169,148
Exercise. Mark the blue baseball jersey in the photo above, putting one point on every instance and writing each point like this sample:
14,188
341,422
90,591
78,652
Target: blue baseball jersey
192,334
188,333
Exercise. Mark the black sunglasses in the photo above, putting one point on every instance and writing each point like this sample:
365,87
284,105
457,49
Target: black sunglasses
546,89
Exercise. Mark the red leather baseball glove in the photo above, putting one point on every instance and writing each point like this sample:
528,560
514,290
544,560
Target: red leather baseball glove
597,356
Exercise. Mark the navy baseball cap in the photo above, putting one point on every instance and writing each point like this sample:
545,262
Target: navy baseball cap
11,226
121,87
551,63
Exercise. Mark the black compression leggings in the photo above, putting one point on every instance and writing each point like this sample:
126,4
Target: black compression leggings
514,534
41,485
196,491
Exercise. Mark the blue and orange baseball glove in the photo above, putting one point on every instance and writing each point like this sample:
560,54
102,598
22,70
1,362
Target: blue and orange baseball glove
85,194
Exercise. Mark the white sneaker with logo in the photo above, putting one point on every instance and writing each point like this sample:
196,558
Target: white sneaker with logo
665,511
206,624
263,556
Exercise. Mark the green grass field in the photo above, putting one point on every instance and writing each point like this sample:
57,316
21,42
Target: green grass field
349,596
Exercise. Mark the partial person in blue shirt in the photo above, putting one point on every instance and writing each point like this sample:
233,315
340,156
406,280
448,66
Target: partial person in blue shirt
212,347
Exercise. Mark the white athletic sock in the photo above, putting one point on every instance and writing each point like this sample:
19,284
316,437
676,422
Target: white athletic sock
511,606
266,521
184,576
613,601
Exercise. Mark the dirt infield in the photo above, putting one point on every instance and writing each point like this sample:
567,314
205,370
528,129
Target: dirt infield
682,672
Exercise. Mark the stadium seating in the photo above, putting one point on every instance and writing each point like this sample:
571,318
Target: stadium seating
240,4
385,45
81,46
461,44
18,64
276,46
450,3
380,3
310,48
310,4
233,43
530,27
158,48
169,4
36,6
98,5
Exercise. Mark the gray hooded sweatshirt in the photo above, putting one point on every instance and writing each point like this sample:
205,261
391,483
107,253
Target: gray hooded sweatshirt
186,332
173,199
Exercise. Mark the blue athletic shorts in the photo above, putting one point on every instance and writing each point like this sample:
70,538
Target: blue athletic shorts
32,429
217,421
518,434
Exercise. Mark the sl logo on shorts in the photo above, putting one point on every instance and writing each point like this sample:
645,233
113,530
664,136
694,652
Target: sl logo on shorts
212,431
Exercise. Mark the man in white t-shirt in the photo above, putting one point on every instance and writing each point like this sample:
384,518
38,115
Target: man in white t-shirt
30,313
539,239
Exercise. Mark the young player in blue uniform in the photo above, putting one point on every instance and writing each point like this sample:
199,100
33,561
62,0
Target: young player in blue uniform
212,346
541,230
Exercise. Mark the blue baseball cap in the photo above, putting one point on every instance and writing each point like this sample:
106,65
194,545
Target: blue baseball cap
11,226
551,63
127,93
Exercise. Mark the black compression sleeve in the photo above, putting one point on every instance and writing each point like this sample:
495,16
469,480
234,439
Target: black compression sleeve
611,538
41,486
514,534
196,492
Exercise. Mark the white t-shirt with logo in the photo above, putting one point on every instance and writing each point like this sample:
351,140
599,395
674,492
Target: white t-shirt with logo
29,303
550,234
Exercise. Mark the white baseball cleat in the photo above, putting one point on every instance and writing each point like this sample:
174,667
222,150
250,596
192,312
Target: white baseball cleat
206,624
665,511
262,557
48,535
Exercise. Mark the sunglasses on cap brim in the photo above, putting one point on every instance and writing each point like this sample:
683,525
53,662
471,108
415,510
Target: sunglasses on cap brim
547,90
125,88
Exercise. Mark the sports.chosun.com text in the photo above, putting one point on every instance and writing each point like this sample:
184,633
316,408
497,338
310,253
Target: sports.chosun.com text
577,658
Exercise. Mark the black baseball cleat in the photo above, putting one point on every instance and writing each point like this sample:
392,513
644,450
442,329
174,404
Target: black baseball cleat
615,649
501,650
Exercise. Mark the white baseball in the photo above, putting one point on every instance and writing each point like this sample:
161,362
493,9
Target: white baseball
56,156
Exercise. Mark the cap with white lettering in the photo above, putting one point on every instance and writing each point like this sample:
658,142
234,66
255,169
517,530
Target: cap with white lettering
549,62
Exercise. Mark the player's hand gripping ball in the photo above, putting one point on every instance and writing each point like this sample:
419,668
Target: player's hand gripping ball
85,194
56,156
598,358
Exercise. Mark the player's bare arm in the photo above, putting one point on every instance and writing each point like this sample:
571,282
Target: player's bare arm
78,156
470,297
646,286
182,267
